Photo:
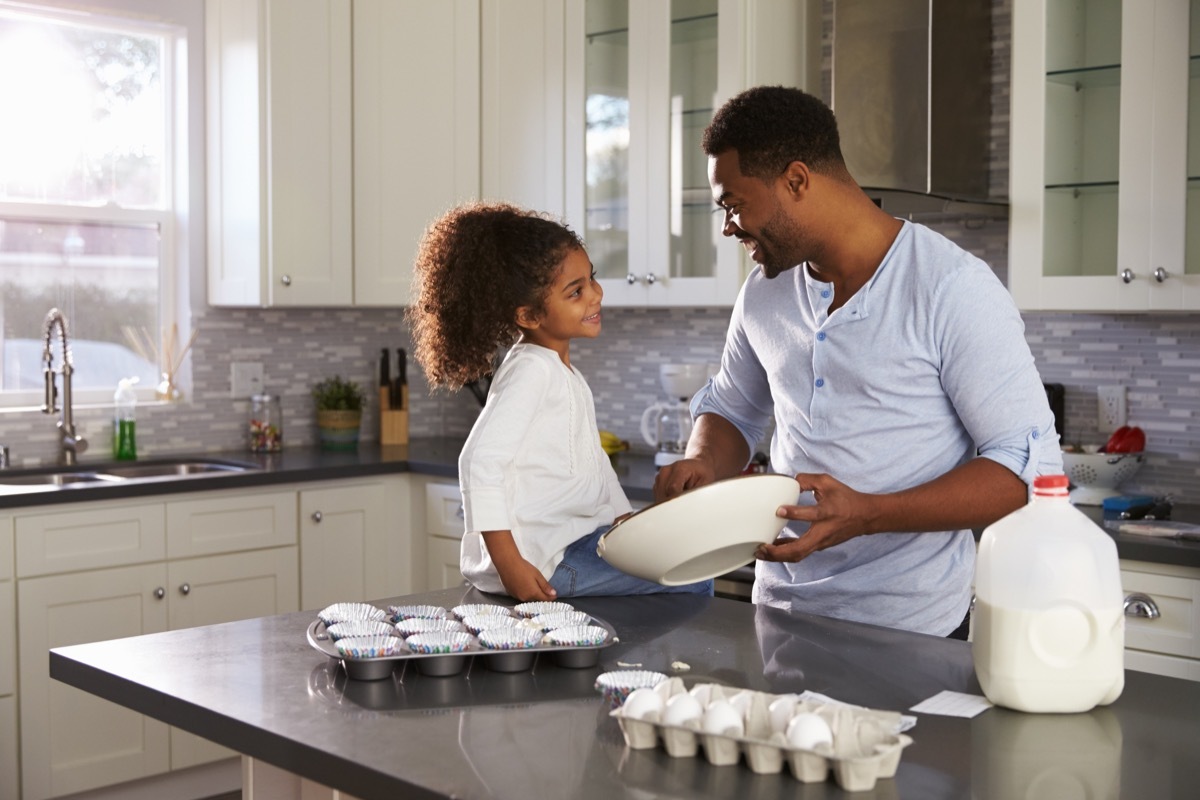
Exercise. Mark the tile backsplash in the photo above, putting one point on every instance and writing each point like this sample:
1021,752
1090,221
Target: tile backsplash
1157,356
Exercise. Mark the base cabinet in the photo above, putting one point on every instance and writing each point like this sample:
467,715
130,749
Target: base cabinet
444,531
1162,618
351,543
225,588
72,740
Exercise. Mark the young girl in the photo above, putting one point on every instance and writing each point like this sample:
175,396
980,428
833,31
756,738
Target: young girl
538,491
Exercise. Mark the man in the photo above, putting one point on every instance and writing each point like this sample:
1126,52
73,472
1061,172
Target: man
905,398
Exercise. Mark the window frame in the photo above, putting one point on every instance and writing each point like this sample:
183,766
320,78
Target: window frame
172,218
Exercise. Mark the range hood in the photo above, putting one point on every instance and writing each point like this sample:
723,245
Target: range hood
912,94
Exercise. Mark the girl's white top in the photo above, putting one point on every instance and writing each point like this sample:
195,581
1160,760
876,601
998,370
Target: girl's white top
533,465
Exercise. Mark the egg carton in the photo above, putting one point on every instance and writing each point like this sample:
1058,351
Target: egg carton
866,743
534,625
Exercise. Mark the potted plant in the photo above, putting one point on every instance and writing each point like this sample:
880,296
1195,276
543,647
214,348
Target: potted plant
339,412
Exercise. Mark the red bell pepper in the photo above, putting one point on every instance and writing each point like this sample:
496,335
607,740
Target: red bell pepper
1126,439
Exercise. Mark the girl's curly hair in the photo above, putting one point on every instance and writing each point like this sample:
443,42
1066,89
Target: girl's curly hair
476,265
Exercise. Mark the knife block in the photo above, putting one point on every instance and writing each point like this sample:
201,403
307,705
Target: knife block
393,422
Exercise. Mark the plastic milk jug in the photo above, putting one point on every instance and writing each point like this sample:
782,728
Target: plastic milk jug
1049,622
124,424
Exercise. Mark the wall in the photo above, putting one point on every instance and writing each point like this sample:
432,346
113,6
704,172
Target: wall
1156,355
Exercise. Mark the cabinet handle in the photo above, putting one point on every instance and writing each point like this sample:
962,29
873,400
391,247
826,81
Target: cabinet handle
651,278
286,280
1141,605
1127,276
1160,275
160,593
460,512
317,516
185,589
631,279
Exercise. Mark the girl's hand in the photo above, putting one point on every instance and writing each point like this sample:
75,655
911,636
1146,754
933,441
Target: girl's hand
525,582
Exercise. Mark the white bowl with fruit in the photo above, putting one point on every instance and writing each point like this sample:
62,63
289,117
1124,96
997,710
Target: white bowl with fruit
1098,475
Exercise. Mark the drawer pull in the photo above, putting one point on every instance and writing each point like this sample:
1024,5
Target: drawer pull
1141,605
160,593
185,589
460,512
317,516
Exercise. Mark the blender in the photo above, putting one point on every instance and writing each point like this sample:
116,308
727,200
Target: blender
666,426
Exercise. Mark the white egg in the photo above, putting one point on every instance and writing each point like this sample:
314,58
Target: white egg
723,719
702,692
781,710
682,709
808,731
643,703
741,701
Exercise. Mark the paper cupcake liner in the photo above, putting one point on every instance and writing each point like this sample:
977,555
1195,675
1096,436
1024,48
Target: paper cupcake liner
345,612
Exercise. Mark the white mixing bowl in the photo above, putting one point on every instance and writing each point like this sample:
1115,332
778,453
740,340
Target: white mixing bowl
702,533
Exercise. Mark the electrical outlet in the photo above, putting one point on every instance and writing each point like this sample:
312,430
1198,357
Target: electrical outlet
1110,408
245,379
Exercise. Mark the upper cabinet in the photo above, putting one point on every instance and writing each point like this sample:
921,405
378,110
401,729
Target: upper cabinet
1105,160
644,78
337,129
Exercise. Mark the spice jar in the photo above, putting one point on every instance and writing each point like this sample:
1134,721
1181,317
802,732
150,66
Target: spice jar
266,424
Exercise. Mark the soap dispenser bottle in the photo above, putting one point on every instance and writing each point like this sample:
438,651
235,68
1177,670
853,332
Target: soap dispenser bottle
124,422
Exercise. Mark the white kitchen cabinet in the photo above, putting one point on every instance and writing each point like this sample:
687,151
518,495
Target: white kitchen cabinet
352,542
225,588
9,772
1169,643
522,82
107,570
1105,155
416,132
444,526
337,129
72,741
643,80
279,150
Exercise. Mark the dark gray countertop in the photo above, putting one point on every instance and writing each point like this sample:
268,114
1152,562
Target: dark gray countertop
258,687
439,456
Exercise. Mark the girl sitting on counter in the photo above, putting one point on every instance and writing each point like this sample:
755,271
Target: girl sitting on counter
538,491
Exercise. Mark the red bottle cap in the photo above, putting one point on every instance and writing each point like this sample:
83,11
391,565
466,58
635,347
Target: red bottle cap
1051,484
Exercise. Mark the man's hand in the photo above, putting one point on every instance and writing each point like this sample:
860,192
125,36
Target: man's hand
675,479
840,514
525,582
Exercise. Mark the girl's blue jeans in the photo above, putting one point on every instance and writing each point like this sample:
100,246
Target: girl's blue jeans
582,573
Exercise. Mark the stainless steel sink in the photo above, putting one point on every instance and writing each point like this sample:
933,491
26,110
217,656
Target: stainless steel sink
120,473
180,469
54,479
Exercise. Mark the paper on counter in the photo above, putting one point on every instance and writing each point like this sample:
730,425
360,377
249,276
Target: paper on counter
953,704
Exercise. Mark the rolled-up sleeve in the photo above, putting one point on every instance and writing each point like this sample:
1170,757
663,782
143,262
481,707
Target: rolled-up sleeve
990,376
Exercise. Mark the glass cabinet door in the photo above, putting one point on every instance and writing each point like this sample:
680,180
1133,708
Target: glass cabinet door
606,137
693,96
1082,140
1192,243
654,71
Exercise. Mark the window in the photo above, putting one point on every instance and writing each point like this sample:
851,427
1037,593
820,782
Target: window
88,212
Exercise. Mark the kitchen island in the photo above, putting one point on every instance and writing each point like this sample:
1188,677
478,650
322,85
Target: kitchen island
258,687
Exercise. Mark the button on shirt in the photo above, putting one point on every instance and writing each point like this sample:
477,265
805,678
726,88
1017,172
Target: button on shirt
533,465
926,364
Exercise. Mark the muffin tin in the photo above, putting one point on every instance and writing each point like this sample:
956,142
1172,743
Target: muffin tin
575,646
866,743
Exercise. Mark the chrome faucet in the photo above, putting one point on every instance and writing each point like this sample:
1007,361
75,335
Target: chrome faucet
70,443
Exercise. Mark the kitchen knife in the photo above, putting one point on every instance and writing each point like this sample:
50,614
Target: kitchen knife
401,381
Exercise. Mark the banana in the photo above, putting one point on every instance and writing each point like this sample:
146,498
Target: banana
611,443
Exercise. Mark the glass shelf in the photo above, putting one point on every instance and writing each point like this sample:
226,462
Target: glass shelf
1091,187
1088,77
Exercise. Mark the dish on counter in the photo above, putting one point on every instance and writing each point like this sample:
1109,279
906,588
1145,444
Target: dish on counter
702,533
499,653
